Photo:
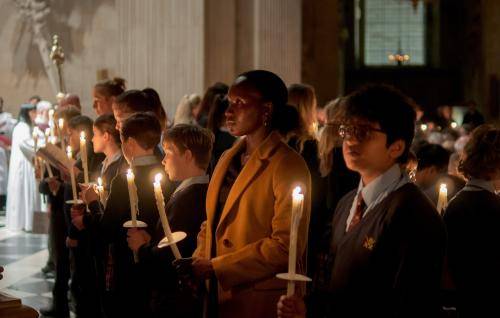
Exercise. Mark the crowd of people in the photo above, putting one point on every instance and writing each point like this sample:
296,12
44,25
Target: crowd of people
374,236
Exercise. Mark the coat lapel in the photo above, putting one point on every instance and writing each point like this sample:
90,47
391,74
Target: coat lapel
255,164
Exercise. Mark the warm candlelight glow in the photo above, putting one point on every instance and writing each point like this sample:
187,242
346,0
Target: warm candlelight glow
454,125
69,152
82,135
297,193
442,187
61,123
158,177
423,127
99,181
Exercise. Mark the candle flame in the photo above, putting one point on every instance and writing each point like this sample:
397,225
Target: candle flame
297,191
423,127
61,122
454,125
158,177
99,181
82,135
443,187
129,173
69,151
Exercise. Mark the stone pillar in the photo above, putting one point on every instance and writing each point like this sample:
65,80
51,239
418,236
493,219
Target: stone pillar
162,46
269,36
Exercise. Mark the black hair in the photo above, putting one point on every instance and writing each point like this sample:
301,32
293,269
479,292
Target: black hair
387,106
24,114
208,99
144,128
156,105
216,115
271,89
36,97
431,155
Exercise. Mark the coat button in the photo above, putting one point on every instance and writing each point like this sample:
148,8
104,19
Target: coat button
227,243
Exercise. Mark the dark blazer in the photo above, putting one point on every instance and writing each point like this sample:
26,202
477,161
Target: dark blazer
390,264
186,212
126,275
472,220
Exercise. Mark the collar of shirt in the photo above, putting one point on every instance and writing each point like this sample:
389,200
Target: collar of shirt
374,192
203,179
144,161
478,185
108,161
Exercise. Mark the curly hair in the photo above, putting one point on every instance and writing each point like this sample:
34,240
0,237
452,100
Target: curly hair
481,155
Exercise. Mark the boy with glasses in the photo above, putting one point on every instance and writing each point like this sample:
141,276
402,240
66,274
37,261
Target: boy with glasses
388,241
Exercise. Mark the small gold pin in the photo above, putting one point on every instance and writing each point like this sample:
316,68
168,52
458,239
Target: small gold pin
369,243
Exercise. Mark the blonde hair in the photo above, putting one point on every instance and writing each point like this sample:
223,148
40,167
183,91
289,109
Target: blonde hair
329,138
303,98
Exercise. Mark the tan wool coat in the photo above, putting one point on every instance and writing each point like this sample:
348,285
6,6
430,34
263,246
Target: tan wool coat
252,237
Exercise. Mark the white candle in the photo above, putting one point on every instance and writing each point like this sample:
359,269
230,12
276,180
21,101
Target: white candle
72,174
51,122
61,132
442,203
132,193
160,204
83,151
100,190
297,207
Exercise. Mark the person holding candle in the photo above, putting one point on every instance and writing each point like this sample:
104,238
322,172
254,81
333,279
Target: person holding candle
126,294
187,155
245,241
23,198
472,220
432,172
84,242
388,241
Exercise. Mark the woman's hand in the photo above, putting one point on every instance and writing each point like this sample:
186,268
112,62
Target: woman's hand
291,307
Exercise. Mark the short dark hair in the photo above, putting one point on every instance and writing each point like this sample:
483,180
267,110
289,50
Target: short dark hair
431,155
134,101
144,128
194,138
481,157
107,124
387,106
82,122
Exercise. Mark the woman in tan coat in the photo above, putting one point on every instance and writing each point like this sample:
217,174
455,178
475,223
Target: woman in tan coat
244,242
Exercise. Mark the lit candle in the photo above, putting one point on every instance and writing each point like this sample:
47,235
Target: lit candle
72,175
61,132
160,204
454,125
423,127
100,190
83,151
132,194
51,122
442,203
297,207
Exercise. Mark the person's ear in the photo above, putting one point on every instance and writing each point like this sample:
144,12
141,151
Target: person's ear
396,149
188,155
106,136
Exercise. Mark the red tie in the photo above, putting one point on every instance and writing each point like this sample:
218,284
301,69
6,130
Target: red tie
358,213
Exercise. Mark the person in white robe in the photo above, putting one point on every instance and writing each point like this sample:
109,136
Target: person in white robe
23,198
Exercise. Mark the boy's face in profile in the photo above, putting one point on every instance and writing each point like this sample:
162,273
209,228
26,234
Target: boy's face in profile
74,139
174,161
365,148
98,140
120,116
